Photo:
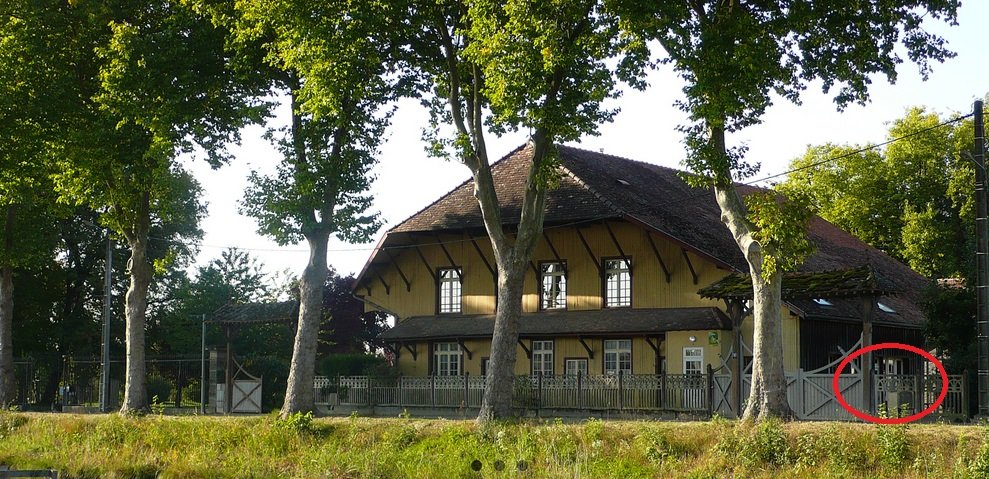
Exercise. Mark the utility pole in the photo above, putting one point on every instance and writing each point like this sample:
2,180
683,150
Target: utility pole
981,259
107,295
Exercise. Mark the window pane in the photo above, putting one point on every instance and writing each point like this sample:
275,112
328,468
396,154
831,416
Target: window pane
618,283
450,290
553,286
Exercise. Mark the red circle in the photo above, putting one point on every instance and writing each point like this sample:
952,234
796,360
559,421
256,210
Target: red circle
891,420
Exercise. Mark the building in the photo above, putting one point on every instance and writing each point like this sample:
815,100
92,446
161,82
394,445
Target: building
615,284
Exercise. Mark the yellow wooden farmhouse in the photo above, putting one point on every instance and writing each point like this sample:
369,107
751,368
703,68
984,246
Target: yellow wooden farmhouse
614,285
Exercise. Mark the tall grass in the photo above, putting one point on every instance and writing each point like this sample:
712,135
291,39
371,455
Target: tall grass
265,447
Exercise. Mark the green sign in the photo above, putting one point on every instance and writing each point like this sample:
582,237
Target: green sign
712,338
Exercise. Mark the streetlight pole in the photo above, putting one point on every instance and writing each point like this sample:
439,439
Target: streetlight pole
107,296
981,259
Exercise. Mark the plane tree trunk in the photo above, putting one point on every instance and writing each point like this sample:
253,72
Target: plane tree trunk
299,394
136,306
767,395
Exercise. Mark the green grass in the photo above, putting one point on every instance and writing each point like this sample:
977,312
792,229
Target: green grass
190,447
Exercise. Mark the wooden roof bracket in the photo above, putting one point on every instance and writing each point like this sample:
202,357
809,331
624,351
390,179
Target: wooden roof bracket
535,270
659,257
528,352
556,255
413,349
590,352
480,253
367,288
470,355
590,252
689,264
377,273
453,264
652,345
618,245
494,272
429,269
408,285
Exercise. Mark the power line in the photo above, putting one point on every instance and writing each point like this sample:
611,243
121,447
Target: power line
592,220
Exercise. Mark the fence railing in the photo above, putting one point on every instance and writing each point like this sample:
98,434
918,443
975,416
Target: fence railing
621,392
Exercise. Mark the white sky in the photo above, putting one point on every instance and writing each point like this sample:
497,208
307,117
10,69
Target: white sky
644,130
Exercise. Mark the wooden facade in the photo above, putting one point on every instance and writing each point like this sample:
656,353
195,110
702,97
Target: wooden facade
408,287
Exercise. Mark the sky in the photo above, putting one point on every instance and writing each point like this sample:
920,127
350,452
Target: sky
407,180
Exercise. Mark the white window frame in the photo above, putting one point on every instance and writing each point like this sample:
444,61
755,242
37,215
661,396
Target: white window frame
555,273
693,354
542,357
449,290
571,368
618,352
617,280
447,359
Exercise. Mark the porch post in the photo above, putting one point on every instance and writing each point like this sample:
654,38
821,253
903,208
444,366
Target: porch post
868,392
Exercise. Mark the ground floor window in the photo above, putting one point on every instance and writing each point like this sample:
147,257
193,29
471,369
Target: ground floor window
618,356
542,358
693,360
572,367
446,359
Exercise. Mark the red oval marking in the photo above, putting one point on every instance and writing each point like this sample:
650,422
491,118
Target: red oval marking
890,420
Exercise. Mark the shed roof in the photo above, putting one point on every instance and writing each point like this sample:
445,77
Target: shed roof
243,313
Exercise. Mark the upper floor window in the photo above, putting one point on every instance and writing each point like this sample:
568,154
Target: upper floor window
450,289
553,288
617,283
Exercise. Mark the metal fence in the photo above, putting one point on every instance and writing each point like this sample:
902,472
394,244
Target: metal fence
688,393
171,381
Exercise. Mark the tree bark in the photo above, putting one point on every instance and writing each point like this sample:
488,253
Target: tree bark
497,399
513,262
767,395
141,273
299,393
8,386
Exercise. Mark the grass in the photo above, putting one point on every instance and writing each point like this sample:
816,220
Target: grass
191,447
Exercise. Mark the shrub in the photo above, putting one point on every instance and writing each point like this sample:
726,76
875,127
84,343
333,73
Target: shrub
159,387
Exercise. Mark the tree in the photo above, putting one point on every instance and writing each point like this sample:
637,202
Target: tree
32,89
913,199
544,67
734,56
159,85
336,63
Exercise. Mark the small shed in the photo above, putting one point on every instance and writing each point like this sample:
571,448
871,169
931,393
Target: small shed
226,371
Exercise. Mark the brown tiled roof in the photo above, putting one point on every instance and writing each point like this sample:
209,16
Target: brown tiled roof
598,322
596,186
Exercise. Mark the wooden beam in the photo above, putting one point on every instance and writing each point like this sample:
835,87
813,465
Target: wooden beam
867,307
408,285
652,345
618,246
535,270
463,347
377,273
413,349
528,352
590,252
590,352
480,253
659,257
439,241
689,264
429,269
556,255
